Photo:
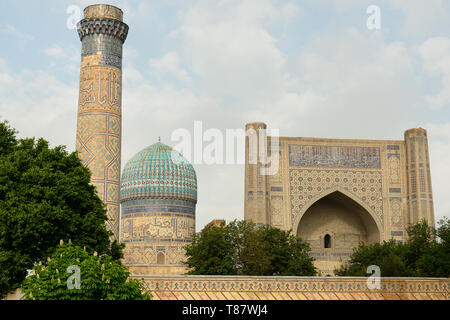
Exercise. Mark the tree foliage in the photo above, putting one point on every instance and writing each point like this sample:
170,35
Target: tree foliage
101,278
45,196
242,248
426,253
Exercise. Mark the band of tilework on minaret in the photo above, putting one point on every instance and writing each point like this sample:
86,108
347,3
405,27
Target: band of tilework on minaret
99,125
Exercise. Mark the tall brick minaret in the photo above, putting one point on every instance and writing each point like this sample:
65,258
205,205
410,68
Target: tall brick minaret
99,126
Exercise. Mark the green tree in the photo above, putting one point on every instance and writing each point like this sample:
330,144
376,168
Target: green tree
435,260
242,248
8,138
388,255
210,253
270,251
426,253
45,196
420,238
100,278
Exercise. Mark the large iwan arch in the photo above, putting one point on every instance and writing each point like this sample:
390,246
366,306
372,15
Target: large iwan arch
333,224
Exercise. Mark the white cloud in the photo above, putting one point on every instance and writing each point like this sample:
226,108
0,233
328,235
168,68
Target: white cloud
38,104
55,52
227,46
347,86
345,5
439,146
255,12
169,64
3,65
435,53
234,60
66,58
15,33
422,18
130,53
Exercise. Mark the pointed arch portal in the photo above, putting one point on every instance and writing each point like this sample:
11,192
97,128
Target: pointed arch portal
335,224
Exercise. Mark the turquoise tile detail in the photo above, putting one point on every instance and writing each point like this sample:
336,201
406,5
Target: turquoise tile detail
158,171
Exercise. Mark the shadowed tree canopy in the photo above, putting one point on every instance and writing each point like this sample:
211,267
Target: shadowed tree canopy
45,196
242,248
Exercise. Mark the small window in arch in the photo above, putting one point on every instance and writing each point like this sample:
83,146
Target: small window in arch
327,241
160,258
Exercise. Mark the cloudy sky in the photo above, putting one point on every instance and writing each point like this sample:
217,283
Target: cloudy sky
311,68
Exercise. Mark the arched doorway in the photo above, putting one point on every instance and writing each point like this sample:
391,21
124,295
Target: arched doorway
333,226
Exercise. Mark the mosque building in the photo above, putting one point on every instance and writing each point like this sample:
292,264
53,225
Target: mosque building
158,194
336,193
333,193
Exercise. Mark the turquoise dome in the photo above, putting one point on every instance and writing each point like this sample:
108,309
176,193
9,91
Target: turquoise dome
158,172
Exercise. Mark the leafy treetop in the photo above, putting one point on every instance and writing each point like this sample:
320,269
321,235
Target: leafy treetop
100,278
242,248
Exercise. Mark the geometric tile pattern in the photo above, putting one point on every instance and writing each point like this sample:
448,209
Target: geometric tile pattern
158,171
98,139
363,185
293,288
396,211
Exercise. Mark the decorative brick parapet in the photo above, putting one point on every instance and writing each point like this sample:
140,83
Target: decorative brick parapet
294,288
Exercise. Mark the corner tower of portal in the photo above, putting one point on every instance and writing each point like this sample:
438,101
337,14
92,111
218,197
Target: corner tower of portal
256,193
419,197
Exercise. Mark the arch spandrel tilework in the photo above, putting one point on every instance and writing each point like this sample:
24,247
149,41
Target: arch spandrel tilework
309,185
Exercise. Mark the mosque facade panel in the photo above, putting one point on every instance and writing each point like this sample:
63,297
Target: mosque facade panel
335,193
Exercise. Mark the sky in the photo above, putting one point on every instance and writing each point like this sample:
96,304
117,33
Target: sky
310,68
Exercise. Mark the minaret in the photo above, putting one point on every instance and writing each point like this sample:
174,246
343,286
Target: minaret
99,125
420,200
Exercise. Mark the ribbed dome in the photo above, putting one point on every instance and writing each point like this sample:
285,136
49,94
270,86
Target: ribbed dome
158,171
